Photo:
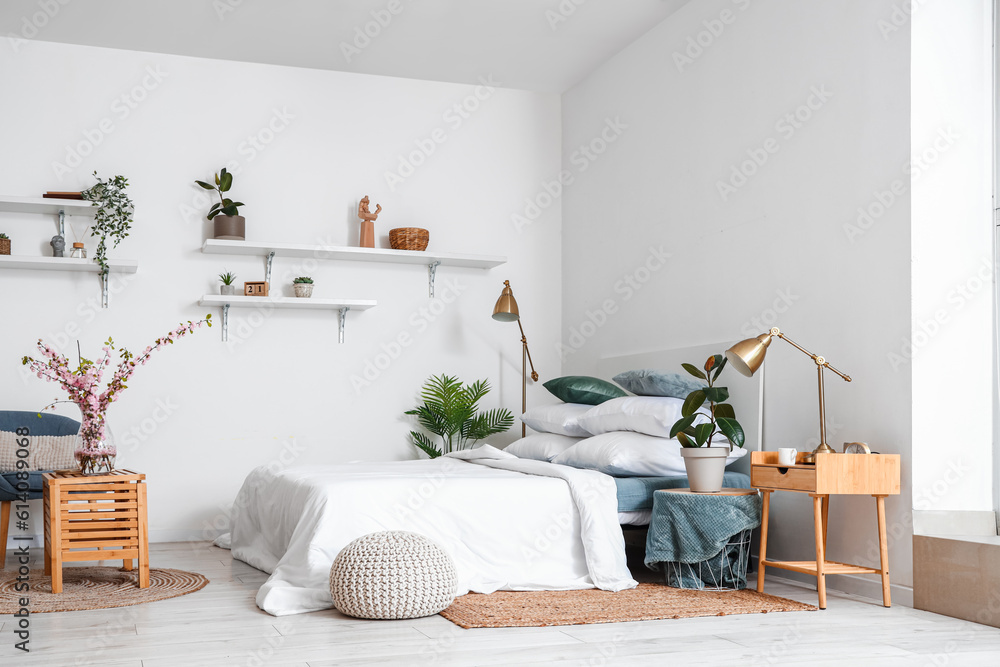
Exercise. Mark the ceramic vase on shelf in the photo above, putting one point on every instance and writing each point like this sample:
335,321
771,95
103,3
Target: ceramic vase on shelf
95,449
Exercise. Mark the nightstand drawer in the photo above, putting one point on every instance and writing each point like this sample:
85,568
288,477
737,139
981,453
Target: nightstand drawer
794,479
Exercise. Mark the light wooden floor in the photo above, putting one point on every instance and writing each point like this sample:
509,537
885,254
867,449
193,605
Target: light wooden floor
221,625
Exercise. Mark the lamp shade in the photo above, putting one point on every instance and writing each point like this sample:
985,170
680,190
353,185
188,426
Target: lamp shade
747,355
506,308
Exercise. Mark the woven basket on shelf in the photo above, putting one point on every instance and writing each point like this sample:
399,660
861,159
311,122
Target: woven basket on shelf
409,238
5,246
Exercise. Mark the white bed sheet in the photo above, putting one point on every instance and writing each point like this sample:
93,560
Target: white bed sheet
508,523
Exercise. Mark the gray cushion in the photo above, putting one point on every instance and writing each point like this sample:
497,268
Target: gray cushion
649,382
47,424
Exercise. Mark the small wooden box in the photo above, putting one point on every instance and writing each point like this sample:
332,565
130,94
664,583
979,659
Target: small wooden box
257,288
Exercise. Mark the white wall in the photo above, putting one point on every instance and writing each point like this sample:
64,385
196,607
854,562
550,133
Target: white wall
777,249
953,306
282,391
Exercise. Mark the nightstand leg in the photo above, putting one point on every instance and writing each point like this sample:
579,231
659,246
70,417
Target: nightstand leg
763,540
826,517
883,547
820,550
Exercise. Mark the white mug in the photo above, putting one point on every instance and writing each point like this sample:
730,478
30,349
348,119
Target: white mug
786,456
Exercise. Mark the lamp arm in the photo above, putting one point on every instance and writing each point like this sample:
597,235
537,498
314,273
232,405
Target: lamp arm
524,341
815,357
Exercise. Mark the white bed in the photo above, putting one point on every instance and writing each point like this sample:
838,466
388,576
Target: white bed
508,523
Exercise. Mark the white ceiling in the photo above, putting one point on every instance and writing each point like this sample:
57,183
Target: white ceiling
527,44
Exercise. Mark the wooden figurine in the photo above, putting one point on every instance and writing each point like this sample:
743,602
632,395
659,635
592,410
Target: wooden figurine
368,222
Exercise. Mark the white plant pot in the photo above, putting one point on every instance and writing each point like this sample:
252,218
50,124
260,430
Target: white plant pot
705,467
227,290
303,290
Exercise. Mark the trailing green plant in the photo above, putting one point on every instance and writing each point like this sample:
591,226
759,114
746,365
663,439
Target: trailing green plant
450,411
722,416
306,280
113,218
227,278
223,182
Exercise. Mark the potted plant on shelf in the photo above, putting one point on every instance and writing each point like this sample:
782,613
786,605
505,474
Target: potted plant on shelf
303,286
227,288
451,411
229,224
113,218
4,244
704,463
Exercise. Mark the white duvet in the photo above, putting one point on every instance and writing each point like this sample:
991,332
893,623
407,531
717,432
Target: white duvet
508,523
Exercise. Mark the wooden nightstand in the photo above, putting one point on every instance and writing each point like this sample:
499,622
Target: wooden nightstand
833,474
97,517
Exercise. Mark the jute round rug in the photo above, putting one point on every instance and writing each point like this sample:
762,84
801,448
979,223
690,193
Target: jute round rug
647,602
95,588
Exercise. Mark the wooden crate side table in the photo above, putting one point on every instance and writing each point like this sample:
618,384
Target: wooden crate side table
98,517
876,475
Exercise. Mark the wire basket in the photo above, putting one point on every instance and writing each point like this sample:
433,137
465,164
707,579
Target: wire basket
409,238
726,571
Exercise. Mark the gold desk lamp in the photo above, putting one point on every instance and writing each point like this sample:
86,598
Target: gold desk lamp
506,311
748,355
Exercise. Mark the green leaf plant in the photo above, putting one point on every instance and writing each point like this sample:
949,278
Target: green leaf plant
450,411
223,182
722,417
113,218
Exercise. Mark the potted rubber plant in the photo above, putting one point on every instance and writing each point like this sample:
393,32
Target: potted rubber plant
697,428
229,224
4,244
227,288
303,286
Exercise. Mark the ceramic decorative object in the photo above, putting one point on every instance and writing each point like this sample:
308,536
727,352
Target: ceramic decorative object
303,290
368,222
58,244
227,290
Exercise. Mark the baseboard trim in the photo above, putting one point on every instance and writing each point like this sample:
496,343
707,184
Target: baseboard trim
954,522
155,537
870,589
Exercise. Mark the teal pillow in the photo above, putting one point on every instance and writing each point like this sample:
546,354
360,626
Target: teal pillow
648,382
583,389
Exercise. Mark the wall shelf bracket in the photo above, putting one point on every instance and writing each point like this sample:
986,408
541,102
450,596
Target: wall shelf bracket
342,317
225,323
62,223
267,268
104,289
432,268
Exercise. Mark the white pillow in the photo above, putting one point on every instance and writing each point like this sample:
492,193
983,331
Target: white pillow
560,418
541,446
627,454
45,452
652,415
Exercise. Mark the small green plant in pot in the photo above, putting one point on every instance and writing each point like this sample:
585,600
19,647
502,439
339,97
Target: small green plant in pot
450,411
227,287
303,286
229,224
697,427
4,244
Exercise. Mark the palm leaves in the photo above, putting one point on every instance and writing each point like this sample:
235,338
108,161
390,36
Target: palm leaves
450,410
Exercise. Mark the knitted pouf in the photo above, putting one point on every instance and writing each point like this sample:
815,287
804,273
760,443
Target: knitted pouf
392,575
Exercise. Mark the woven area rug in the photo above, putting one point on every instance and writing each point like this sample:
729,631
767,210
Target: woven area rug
95,588
647,602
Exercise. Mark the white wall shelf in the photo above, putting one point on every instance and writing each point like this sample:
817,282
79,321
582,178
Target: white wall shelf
60,208
346,253
239,301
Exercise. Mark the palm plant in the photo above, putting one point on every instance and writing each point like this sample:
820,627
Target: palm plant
450,410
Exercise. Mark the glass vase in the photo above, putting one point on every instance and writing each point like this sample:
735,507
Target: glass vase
95,449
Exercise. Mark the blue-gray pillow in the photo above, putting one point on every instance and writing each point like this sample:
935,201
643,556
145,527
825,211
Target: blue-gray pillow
583,389
649,382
